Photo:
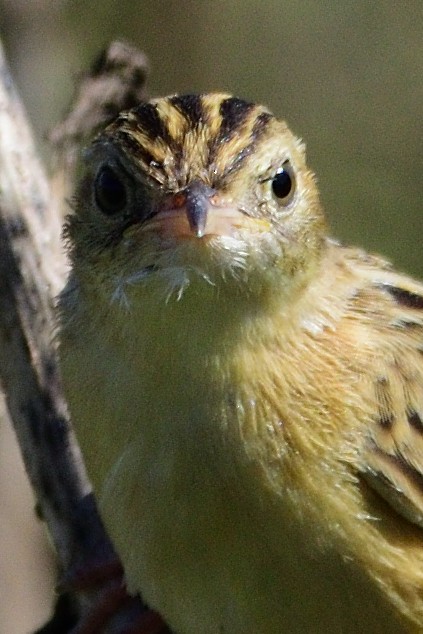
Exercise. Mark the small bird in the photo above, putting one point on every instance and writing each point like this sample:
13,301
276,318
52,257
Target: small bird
247,392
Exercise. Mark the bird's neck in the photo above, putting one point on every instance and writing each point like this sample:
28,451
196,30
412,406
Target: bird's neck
205,321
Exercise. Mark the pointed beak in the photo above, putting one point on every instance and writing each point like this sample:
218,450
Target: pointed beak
197,203
198,211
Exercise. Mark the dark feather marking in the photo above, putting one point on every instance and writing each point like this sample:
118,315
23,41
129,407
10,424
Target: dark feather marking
404,297
260,124
386,421
135,148
414,476
191,107
258,129
386,417
237,161
415,421
234,112
406,324
151,123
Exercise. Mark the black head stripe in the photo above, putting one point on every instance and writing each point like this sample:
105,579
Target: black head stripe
260,124
151,124
188,134
134,148
259,127
234,112
191,107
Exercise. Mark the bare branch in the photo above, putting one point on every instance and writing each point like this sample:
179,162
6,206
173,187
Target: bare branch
29,275
115,82
32,270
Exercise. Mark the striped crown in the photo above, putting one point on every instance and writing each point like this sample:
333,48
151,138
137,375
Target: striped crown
178,138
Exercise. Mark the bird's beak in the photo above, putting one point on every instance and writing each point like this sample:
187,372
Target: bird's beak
198,211
193,204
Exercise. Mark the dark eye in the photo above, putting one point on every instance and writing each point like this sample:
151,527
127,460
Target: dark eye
283,183
110,191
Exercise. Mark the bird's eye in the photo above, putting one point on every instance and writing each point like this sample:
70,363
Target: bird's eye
110,191
283,183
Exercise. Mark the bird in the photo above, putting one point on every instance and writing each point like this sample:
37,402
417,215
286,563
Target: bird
246,390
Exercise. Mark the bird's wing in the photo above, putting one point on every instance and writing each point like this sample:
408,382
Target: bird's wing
394,453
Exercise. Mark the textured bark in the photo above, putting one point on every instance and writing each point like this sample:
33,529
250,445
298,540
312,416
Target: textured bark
32,270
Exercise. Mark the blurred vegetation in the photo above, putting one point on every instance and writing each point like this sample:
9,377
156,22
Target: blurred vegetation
345,74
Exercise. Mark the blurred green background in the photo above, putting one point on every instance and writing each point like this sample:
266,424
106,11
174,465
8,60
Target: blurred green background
345,74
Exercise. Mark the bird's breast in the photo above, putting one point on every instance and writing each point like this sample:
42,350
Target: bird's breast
213,490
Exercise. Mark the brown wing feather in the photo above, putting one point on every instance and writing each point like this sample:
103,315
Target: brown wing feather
394,456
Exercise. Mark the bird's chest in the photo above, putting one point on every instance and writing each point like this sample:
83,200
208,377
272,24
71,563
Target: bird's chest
203,535
162,436
187,454
170,498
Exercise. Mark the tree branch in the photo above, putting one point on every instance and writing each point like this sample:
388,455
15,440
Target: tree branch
32,270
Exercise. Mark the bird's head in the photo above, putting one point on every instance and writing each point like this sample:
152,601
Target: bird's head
192,191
